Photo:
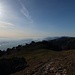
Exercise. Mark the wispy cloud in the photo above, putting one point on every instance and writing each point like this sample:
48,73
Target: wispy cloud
5,24
25,12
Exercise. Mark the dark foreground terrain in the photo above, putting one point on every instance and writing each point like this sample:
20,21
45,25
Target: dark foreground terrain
55,57
47,62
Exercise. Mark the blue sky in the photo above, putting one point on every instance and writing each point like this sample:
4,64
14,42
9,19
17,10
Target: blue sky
37,18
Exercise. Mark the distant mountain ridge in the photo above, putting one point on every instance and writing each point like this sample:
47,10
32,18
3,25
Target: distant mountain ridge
62,43
51,38
56,44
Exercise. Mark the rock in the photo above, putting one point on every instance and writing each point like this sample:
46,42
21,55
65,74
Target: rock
52,68
64,71
57,73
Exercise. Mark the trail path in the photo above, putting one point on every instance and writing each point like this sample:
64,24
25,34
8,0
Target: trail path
50,67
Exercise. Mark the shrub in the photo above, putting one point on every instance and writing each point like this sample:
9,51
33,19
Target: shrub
8,66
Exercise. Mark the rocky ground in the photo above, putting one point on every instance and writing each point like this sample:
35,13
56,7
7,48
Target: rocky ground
47,62
50,67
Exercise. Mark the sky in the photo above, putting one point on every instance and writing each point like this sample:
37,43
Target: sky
37,18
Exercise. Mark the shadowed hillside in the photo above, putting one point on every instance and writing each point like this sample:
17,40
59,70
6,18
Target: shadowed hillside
52,57
12,65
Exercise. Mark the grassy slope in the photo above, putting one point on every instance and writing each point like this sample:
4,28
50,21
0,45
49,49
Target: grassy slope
34,58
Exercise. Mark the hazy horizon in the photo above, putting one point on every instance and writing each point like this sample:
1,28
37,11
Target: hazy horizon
37,18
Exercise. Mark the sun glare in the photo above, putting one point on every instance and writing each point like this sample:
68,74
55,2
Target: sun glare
0,13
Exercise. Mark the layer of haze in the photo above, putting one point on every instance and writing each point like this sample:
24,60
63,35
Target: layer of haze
37,18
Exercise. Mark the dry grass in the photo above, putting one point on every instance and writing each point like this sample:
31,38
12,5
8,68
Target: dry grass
36,57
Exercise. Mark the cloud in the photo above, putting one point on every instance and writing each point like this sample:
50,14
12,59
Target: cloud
5,24
25,12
